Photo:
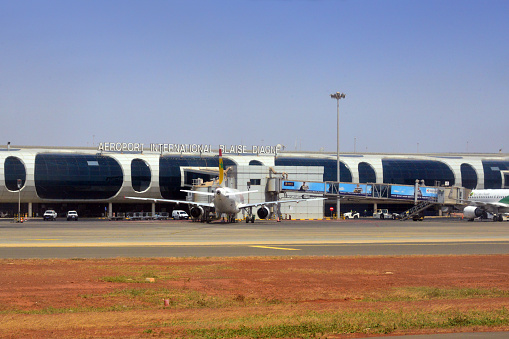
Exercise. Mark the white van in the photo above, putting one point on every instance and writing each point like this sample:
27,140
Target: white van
179,214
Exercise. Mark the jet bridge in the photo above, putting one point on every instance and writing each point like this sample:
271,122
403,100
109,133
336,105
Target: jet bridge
371,192
422,196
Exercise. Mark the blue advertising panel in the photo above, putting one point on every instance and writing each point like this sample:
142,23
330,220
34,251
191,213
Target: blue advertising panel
396,191
354,189
402,192
321,187
303,186
428,193
407,192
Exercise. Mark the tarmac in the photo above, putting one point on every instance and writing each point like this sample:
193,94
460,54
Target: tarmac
94,238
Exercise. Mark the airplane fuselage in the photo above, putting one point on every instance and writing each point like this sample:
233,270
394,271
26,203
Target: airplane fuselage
490,196
495,201
227,200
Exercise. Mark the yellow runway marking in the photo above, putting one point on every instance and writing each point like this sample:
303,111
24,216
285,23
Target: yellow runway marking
278,248
43,239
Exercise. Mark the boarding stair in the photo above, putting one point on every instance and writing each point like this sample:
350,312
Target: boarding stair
417,209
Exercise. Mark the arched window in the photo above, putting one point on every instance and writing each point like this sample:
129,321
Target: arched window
405,172
492,175
170,177
140,175
255,163
468,176
77,176
14,169
329,167
366,173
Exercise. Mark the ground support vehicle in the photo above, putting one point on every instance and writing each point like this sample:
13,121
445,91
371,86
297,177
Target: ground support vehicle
382,214
50,215
72,215
161,216
117,216
351,215
418,217
396,216
179,214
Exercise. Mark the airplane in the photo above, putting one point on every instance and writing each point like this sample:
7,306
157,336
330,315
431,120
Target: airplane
226,200
494,201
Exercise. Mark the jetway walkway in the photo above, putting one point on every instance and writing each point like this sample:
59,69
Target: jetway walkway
422,196
372,192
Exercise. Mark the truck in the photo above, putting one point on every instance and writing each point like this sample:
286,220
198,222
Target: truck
382,214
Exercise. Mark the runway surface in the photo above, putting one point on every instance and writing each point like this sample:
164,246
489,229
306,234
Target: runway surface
107,239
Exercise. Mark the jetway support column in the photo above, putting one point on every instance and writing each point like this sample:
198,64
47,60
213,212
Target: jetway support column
29,210
110,210
375,207
153,209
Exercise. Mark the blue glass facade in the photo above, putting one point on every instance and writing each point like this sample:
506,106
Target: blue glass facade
140,175
76,176
169,172
492,175
329,167
468,176
14,170
405,172
366,173
87,175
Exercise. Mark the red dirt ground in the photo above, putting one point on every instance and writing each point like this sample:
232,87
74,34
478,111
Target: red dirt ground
35,293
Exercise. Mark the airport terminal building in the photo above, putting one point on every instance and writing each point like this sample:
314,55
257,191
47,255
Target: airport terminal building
95,181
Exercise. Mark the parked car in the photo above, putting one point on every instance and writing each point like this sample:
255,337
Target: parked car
50,215
72,215
179,214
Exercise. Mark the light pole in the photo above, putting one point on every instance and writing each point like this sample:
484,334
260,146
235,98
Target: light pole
338,96
19,182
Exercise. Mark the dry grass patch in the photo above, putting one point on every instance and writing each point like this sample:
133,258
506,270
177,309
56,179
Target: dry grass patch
252,297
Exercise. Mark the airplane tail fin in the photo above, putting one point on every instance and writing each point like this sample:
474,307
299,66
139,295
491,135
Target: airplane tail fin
221,167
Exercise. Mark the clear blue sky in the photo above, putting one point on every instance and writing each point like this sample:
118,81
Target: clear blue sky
427,76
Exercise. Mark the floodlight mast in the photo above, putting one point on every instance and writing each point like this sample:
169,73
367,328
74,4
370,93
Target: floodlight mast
338,96
19,183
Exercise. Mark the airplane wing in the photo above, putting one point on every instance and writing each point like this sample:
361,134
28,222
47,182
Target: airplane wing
276,202
211,193
489,204
173,201
493,207
198,192
237,193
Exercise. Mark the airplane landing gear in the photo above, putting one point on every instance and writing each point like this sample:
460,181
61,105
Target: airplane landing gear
250,216
498,217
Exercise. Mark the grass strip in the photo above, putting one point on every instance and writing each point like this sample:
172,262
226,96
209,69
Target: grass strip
431,293
369,322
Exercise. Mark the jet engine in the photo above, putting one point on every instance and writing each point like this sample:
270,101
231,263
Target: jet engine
472,212
262,212
196,212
